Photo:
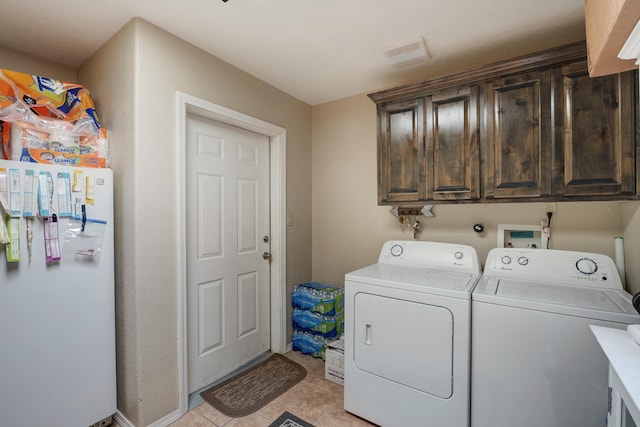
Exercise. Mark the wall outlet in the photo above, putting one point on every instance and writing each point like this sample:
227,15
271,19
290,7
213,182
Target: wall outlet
549,207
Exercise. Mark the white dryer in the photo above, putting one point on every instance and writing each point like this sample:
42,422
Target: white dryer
407,335
535,361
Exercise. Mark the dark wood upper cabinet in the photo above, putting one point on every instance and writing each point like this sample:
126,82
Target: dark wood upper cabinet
452,144
401,157
595,153
517,136
534,128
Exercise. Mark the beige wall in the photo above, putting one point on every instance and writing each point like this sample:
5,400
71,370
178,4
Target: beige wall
24,63
631,234
349,228
111,74
134,78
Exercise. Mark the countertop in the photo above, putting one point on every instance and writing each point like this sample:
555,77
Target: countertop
624,357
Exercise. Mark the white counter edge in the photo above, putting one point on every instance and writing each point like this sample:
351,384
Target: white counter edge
624,359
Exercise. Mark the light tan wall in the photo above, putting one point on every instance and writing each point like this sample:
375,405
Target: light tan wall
154,65
111,74
631,234
349,228
25,63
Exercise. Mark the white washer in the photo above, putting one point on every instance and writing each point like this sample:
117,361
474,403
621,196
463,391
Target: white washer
407,335
535,361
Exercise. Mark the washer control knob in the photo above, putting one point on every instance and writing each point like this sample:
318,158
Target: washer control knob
458,255
586,266
523,260
396,250
506,259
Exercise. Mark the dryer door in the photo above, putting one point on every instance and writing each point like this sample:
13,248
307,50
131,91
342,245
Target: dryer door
407,342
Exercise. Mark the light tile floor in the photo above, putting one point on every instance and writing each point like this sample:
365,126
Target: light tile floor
315,400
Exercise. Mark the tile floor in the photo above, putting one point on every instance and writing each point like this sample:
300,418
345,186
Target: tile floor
315,400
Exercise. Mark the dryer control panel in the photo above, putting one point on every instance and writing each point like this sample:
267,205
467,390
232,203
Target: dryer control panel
557,266
436,255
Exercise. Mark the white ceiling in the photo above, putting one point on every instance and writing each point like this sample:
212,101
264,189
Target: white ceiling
315,50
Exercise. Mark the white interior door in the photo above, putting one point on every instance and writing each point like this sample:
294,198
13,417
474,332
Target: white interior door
228,280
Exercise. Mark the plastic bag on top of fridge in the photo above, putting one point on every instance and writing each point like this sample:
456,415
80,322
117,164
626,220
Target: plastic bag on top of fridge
40,113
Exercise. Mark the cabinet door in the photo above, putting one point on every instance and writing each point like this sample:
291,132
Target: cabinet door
595,146
453,167
517,136
401,159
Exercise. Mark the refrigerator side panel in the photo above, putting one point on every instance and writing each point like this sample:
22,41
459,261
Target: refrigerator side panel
57,319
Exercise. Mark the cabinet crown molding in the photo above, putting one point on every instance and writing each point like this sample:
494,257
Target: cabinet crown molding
543,59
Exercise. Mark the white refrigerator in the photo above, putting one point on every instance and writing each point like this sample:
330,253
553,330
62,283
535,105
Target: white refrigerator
57,319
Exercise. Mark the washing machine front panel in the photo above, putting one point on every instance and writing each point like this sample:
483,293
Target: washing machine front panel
406,342
535,361
532,368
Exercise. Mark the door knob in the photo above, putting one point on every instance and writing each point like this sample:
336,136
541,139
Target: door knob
267,255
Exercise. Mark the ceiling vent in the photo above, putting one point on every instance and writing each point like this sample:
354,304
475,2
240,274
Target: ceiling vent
406,53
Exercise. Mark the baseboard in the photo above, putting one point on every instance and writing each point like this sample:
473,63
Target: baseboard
162,422
168,419
122,420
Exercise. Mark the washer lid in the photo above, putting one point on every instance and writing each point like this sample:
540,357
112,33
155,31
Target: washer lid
439,282
594,303
557,294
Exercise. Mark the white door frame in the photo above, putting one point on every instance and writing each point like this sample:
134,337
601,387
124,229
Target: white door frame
188,104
